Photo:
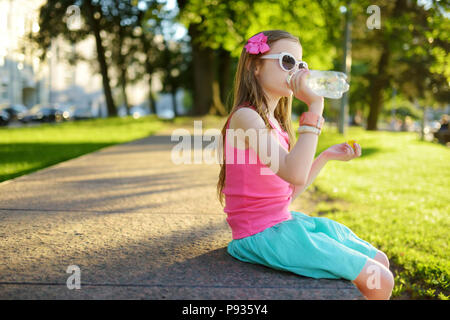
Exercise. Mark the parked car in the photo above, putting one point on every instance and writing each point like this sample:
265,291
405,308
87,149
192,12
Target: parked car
41,113
68,111
82,113
15,111
4,118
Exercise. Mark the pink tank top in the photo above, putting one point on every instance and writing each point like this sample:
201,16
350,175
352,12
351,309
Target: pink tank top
254,201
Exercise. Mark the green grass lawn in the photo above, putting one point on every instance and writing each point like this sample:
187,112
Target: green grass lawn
27,149
397,196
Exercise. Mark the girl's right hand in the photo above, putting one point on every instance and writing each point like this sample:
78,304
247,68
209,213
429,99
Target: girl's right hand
342,152
301,90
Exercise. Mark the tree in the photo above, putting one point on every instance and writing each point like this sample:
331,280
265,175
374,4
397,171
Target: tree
121,15
53,20
219,29
406,53
149,22
174,67
214,28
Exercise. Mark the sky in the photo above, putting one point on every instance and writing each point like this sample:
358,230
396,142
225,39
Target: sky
181,31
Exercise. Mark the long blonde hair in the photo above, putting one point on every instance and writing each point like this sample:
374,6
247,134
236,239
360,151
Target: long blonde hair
247,90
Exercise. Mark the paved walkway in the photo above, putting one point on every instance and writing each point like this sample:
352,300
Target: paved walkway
138,227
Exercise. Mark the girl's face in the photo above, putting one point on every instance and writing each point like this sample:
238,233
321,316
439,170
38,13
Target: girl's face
269,73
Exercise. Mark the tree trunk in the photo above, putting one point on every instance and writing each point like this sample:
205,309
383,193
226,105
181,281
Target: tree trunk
174,102
203,65
378,84
151,99
123,70
94,24
123,87
217,108
423,120
381,80
224,76
149,70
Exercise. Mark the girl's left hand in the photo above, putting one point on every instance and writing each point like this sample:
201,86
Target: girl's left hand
343,152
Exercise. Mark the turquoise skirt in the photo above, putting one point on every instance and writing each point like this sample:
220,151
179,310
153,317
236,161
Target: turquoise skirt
315,247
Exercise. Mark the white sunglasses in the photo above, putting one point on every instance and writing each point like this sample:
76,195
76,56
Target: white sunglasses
287,61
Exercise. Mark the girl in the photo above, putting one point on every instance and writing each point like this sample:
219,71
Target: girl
264,231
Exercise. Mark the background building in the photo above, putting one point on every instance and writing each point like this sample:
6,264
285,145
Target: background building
24,79
21,75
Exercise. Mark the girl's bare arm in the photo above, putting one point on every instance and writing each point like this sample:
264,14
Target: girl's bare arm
317,166
293,166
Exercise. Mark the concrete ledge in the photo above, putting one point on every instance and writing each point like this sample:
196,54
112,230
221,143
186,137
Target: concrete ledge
139,227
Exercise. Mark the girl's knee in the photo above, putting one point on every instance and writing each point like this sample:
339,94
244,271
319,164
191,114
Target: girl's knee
375,281
382,258
387,280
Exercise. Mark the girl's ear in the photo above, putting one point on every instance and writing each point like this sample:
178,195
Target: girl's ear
256,71
257,68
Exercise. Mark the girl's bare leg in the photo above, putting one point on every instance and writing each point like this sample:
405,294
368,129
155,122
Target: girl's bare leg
375,281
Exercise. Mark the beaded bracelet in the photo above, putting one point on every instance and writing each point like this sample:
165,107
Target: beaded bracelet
311,129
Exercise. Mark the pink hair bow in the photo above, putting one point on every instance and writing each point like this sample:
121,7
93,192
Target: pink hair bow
257,44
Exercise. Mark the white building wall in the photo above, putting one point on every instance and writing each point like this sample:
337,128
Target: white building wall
26,80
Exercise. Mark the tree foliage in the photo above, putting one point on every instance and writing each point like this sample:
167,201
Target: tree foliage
407,55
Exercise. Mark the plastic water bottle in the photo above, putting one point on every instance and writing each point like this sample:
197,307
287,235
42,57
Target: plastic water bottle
328,84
